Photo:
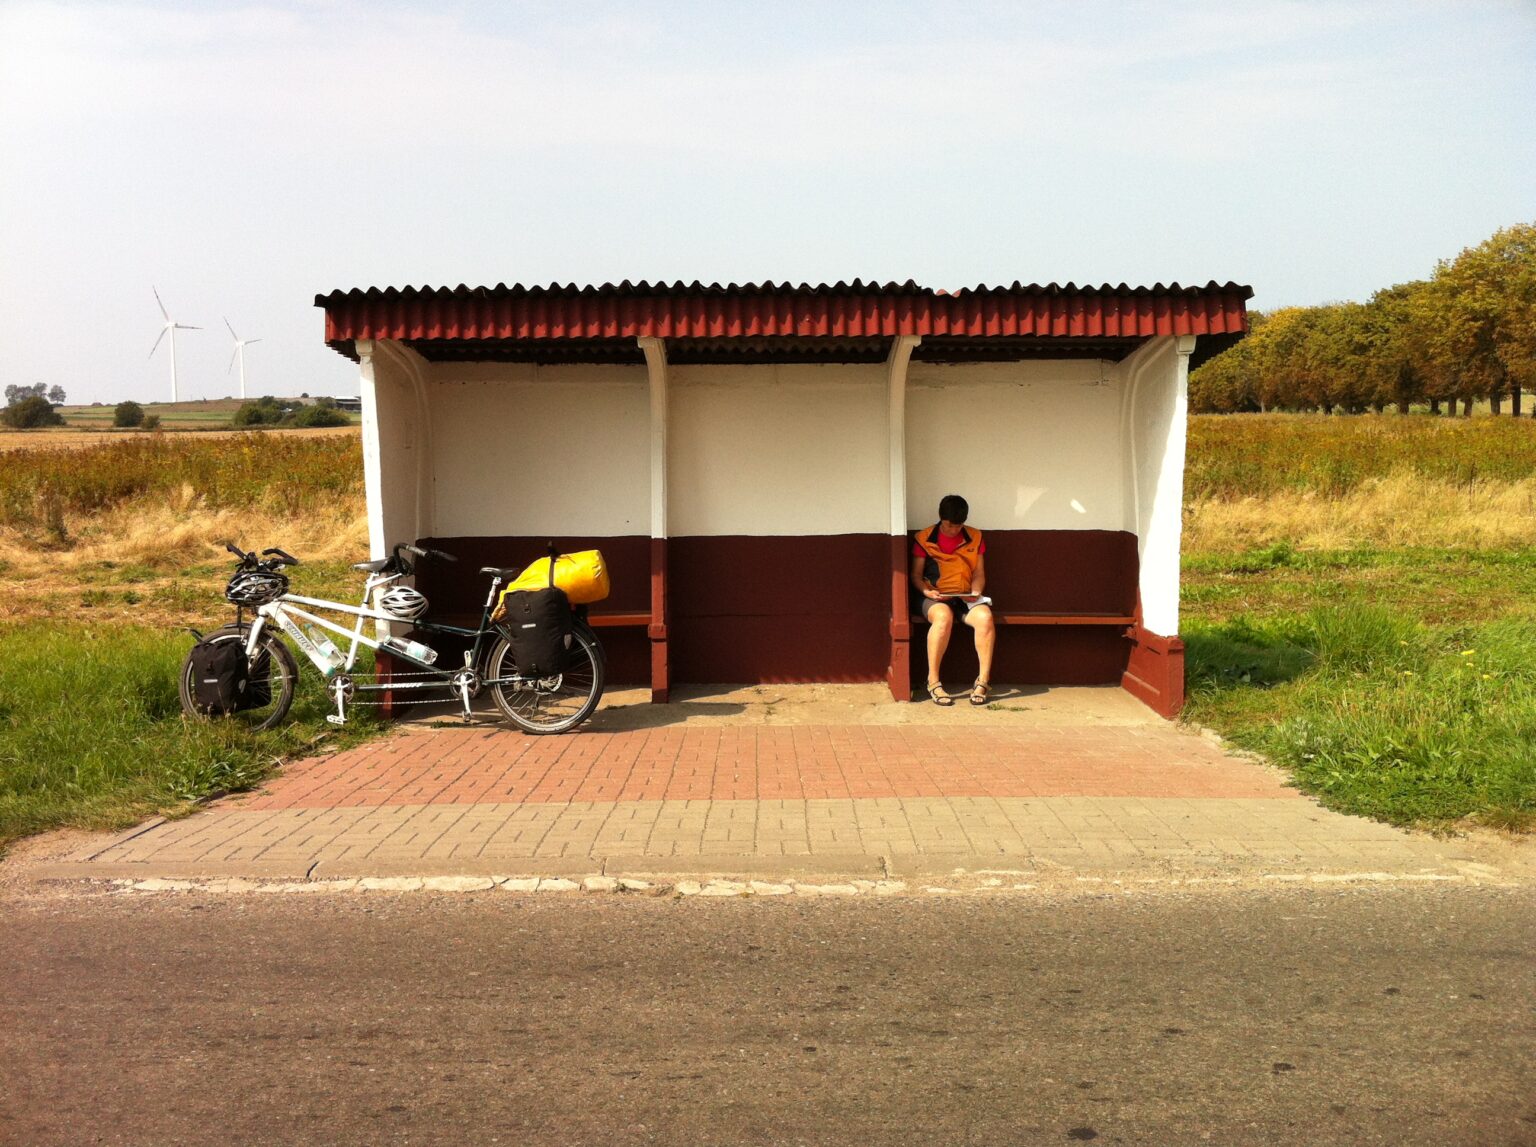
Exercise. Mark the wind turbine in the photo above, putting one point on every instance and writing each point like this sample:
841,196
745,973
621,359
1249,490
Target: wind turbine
240,345
172,326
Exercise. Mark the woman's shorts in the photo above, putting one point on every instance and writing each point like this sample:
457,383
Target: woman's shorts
961,608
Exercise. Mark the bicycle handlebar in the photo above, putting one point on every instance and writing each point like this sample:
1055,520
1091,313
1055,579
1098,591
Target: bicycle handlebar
277,557
421,553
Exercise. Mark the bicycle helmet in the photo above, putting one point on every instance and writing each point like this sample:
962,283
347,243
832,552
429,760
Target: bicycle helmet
255,587
403,602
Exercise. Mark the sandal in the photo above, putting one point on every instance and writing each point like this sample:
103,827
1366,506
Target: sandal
979,692
937,695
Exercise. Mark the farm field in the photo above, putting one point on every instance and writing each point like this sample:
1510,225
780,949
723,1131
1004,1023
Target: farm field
191,414
1359,606
71,437
92,425
199,414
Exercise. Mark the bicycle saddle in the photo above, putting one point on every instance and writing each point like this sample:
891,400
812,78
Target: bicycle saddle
508,574
372,567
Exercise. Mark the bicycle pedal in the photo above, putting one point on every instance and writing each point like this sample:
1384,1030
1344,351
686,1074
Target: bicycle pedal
335,720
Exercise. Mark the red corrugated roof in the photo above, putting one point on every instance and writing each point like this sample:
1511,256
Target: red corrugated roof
767,310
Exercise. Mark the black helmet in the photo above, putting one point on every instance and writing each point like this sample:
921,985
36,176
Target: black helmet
255,587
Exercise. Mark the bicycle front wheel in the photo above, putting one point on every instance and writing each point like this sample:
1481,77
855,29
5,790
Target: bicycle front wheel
273,678
549,704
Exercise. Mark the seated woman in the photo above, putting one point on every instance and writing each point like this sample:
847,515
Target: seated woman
949,570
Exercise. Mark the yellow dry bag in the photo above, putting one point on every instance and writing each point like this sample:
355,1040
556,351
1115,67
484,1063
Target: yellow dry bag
583,576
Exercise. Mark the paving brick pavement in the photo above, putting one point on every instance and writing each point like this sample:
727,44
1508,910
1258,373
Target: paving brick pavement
769,800
795,762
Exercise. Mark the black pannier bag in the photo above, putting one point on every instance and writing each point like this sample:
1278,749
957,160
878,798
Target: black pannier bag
538,627
220,677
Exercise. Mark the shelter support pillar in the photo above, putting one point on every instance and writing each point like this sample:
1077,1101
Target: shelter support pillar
373,488
1157,420
899,672
397,457
655,351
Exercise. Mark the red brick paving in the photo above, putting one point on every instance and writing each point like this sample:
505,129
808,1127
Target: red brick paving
767,762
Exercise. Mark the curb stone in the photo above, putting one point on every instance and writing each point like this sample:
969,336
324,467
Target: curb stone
972,883
458,883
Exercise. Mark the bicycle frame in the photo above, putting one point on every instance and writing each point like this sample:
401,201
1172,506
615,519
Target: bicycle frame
287,611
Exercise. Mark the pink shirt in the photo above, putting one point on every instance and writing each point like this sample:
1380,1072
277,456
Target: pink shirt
947,545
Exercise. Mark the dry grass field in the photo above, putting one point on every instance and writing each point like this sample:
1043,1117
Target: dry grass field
1397,509
1322,483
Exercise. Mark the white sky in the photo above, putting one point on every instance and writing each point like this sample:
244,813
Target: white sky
245,157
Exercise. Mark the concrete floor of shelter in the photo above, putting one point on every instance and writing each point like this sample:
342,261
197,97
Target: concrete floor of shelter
784,781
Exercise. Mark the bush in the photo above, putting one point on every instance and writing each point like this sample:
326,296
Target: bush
317,415
30,413
263,412
150,422
128,414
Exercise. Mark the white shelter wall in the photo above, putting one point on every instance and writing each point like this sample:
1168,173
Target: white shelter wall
1155,430
522,449
1031,445
783,449
400,515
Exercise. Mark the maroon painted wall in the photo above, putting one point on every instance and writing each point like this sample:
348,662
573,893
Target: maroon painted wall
778,609
1062,571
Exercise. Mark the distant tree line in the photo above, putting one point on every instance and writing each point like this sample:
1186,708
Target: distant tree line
1465,334
269,411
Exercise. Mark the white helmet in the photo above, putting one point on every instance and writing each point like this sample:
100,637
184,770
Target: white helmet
403,602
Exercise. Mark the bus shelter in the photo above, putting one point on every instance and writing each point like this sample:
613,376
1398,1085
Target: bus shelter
753,459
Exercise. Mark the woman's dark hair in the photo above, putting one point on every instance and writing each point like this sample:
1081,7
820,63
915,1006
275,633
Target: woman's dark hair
953,508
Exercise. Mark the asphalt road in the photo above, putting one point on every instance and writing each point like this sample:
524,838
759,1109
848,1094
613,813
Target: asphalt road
1376,1015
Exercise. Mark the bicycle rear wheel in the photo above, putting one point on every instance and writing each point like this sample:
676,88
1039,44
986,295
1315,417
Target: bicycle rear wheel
274,676
550,704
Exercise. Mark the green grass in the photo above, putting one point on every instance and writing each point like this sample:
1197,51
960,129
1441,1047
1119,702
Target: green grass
1434,586
92,735
1398,684
1376,712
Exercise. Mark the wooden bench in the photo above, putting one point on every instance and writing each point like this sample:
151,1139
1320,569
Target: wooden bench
1015,617
602,620
595,619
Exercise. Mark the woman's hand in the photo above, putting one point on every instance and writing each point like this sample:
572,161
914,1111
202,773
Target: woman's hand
932,594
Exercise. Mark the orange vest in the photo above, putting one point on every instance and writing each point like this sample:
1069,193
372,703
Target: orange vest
950,573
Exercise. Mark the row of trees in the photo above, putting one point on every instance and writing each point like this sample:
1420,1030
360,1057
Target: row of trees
1465,334
15,393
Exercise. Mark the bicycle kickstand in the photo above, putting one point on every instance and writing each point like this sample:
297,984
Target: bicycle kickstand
464,681
340,716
